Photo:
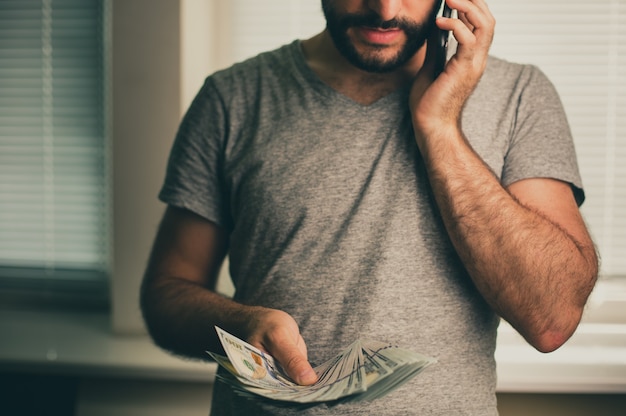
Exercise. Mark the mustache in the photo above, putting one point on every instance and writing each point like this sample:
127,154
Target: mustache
372,20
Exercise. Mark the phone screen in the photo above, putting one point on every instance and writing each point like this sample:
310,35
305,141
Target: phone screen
442,44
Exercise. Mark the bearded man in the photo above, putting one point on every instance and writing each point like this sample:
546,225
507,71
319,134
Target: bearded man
359,196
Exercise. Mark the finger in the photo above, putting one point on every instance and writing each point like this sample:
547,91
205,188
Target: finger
474,27
475,14
482,5
463,18
295,363
461,31
464,5
277,333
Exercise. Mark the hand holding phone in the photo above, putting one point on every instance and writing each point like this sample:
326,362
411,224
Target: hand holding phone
435,101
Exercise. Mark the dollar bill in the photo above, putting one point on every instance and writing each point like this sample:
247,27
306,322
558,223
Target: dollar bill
365,370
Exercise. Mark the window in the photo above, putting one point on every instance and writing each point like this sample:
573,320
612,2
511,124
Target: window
54,155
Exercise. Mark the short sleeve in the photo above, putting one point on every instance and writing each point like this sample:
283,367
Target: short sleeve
541,144
194,178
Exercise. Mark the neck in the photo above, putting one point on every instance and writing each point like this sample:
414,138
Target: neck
363,87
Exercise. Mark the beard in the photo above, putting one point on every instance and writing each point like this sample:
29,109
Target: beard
416,34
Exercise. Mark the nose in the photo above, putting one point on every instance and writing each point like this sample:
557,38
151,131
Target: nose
386,9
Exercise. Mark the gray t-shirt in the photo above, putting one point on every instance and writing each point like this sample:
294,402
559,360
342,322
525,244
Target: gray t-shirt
332,219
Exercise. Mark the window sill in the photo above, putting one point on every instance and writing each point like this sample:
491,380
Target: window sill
592,361
83,345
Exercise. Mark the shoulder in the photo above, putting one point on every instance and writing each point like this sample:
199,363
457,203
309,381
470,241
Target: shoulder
502,76
251,70
509,87
512,103
239,87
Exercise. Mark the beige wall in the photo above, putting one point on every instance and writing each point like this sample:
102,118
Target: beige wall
146,112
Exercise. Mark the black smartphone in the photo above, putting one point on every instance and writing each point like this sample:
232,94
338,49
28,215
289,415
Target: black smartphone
442,44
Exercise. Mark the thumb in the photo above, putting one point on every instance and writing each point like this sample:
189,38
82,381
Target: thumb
295,364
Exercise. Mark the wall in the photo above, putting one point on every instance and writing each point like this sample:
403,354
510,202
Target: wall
146,112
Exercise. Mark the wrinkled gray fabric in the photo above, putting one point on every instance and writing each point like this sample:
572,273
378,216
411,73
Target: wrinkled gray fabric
332,219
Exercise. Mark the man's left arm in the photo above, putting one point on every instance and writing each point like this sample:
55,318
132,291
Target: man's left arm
526,247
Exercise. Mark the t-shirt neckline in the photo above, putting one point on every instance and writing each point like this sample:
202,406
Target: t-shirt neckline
309,76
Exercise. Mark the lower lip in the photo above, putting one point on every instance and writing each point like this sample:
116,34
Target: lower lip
380,37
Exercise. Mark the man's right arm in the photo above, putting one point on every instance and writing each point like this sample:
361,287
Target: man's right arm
181,308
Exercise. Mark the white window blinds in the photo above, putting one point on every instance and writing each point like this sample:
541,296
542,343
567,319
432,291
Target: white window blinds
579,44
54,197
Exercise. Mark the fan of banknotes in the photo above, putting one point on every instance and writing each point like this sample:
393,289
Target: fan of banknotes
366,370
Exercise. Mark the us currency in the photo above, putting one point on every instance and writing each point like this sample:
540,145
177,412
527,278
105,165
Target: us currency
365,370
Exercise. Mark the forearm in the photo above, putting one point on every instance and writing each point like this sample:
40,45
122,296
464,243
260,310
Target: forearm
181,315
529,269
181,309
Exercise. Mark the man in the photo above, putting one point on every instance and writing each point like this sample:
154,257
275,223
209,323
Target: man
357,196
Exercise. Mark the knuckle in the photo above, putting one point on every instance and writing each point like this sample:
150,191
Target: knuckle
293,361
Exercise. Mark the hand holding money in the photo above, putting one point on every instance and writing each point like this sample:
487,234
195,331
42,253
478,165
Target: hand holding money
366,370
278,334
